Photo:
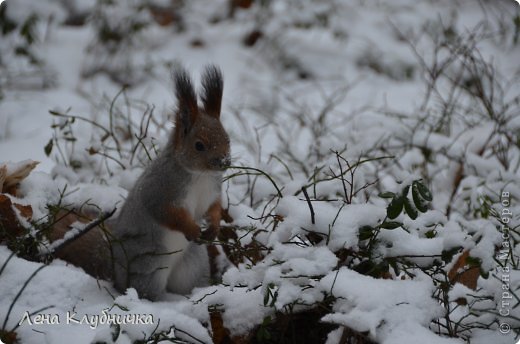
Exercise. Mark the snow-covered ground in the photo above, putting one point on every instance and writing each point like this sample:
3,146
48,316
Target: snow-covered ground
345,99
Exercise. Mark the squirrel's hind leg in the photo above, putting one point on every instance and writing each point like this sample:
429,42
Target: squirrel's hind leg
147,272
151,286
193,270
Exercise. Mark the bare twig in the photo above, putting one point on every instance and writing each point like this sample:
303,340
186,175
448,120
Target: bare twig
76,234
309,203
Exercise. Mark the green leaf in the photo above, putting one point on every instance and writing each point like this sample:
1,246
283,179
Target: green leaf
393,263
405,191
266,296
48,147
22,51
365,267
447,255
275,297
410,209
366,232
6,24
391,224
263,335
424,191
387,194
395,207
27,29
116,331
420,204
473,261
75,164
432,233
369,267
269,295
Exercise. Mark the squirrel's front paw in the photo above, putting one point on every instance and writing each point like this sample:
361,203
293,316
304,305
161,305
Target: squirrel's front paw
192,233
210,234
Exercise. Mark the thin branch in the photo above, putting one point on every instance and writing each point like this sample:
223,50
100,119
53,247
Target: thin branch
309,203
75,234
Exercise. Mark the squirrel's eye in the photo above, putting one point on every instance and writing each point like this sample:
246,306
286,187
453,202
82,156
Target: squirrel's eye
199,146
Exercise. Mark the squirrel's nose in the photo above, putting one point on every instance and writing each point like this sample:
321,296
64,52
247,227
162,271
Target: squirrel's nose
221,163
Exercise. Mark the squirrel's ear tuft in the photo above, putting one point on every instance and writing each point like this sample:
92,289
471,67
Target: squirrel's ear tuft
212,87
187,108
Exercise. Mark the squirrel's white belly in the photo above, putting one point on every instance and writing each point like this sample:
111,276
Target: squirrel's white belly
203,190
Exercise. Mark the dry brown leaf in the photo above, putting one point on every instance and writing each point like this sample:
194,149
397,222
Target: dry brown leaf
8,219
241,3
25,210
8,337
18,172
89,251
463,273
3,175
220,333
224,213
165,15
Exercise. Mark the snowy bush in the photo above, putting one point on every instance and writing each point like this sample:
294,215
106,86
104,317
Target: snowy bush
124,33
22,32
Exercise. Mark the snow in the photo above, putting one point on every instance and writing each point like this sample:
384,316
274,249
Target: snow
385,308
243,308
331,88
39,189
341,226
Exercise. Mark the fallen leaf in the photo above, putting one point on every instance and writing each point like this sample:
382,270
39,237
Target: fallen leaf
11,174
3,175
462,272
220,333
9,221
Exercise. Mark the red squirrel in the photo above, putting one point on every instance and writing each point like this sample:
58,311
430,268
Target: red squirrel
153,243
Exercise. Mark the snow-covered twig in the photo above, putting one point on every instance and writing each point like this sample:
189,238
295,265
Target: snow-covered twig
75,234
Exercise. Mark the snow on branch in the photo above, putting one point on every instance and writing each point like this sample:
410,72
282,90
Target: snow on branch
75,233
